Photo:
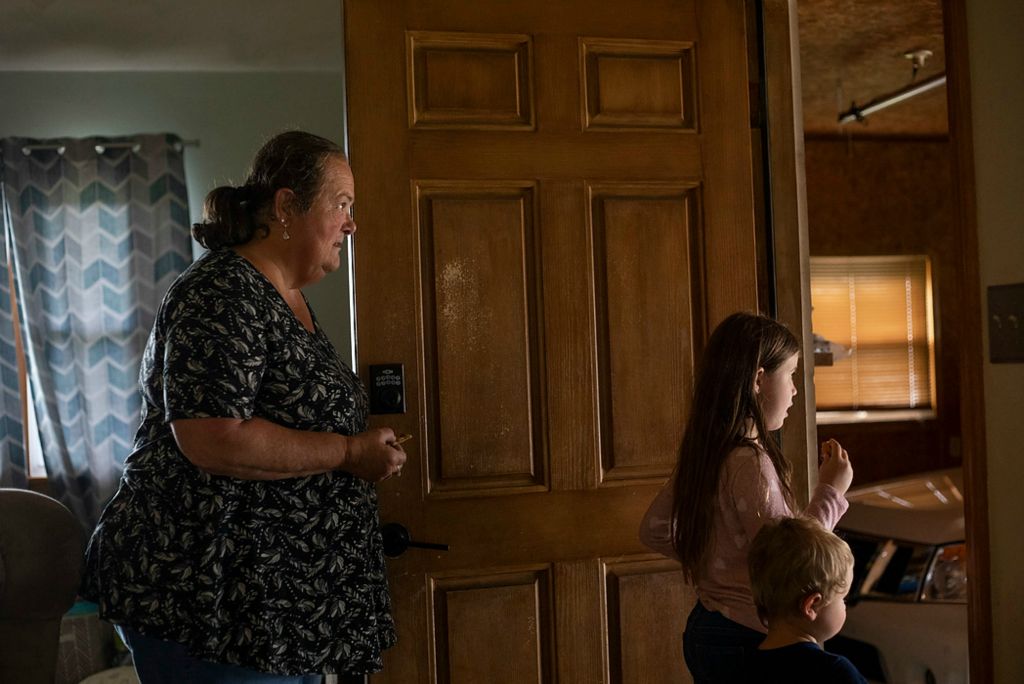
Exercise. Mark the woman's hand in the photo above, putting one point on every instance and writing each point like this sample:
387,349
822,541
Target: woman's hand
835,468
374,455
257,449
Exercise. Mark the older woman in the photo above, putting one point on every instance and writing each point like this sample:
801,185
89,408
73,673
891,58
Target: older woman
243,543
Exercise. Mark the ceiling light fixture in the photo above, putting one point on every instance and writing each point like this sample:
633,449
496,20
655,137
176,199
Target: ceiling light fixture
855,113
917,57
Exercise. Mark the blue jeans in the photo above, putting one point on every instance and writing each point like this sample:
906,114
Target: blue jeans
716,648
166,662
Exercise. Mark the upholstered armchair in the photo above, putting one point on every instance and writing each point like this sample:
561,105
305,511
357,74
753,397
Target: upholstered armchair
41,550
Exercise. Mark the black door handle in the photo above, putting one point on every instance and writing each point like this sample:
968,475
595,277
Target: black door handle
396,540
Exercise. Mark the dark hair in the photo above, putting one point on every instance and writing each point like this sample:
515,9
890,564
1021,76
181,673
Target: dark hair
724,403
233,215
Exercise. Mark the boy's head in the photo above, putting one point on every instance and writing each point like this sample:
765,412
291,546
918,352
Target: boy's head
801,571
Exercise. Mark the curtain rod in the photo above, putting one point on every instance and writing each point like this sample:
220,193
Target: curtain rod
103,147
855,113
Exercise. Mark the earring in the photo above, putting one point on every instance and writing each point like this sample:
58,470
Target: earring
284,226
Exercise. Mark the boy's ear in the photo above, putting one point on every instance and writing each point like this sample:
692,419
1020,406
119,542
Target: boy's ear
758,379
811,604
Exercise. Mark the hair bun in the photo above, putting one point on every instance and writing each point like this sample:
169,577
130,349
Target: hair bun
233,215
241,195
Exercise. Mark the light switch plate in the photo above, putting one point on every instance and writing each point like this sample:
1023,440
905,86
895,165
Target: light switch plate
1006,323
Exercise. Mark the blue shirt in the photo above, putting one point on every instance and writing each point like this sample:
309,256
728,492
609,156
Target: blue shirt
799,664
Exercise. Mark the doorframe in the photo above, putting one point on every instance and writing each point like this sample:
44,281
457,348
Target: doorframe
787,207
972,354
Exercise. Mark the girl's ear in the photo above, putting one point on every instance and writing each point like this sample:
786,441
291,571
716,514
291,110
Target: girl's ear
758,379
811,604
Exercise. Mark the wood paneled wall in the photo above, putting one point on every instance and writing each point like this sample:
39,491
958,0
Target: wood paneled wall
893,196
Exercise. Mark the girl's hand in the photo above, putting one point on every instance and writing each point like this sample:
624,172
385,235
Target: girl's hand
374,455
835,468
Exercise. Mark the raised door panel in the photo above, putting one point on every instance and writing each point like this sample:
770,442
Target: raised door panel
471,646
479,313
464,80
647,245
639,84
647,604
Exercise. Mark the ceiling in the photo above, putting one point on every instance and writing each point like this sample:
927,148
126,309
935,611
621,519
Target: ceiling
170,35
850,50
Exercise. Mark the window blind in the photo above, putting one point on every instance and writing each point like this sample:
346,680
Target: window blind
881,309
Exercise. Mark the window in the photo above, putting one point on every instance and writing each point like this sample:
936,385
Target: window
86,239
879,309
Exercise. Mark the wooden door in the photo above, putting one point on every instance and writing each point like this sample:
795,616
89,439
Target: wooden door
554,205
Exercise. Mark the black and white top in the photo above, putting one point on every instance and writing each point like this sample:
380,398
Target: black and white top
282,576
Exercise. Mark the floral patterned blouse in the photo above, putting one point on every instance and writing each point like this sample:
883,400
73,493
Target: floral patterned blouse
282,576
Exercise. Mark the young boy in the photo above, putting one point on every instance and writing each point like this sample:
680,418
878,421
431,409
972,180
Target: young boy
800,573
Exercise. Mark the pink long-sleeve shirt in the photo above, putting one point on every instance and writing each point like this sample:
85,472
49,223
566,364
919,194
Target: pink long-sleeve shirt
749,493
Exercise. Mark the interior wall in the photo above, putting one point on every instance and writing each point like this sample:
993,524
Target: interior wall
996,55
879,196
231,114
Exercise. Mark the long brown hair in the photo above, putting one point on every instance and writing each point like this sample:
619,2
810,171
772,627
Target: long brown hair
724,405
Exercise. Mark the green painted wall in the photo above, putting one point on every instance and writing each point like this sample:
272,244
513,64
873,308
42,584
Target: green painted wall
231,114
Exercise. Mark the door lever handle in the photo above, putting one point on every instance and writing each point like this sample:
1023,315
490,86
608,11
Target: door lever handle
396,540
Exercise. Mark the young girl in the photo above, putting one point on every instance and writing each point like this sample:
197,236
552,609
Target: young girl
730,479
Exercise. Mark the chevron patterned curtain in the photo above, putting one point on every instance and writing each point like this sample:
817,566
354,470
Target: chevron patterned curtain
98,229
13,455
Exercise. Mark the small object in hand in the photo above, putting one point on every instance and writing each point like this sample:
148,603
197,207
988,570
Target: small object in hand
401,439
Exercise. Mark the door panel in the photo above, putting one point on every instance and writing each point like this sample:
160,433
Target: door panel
555,203
465,80
481,335
643,636
472,646
646,246
638,84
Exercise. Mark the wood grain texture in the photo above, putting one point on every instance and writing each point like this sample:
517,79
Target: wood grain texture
647,264
730,257
470,81
647,604
790,242
638,84
511,207
972,353
471,645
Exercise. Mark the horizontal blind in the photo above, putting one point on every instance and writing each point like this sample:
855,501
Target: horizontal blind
879,308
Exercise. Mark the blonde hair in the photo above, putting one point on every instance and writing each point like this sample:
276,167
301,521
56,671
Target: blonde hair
791,558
